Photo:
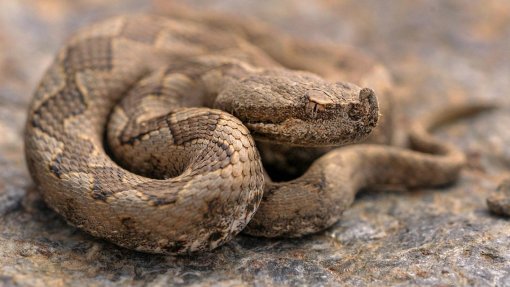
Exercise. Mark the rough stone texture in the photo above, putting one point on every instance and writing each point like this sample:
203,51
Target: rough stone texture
438,51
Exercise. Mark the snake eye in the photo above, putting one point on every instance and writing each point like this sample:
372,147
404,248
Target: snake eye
316,102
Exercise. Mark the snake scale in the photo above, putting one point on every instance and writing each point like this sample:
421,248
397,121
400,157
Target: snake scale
142,131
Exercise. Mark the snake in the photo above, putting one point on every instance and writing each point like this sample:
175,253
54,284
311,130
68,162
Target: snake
145,129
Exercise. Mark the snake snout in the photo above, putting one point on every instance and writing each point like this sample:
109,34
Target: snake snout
368,95
367,109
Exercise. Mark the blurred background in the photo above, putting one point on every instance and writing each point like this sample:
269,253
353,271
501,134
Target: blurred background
439,52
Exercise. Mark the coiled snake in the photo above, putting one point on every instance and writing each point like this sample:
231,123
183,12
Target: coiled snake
141,130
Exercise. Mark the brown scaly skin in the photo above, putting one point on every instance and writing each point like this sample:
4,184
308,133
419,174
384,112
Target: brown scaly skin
186,175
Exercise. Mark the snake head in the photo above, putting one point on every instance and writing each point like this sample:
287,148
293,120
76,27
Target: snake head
300,108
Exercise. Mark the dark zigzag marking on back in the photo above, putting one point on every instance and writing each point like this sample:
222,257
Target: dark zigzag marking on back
93,54
180,135
68,161
50,116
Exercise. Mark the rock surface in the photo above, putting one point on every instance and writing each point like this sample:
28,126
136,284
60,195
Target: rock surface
439,52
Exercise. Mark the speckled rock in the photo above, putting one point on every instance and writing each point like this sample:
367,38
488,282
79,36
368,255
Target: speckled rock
439,52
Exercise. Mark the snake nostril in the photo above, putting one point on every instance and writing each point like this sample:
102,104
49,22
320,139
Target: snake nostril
368,107
368,95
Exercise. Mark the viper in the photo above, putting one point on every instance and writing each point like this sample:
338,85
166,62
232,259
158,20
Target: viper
151,132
